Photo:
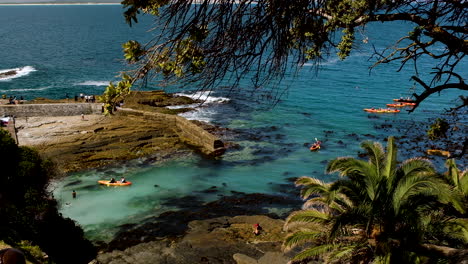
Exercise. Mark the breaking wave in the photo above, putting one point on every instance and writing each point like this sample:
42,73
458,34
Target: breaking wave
205,97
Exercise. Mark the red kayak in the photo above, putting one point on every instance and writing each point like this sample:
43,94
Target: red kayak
315,147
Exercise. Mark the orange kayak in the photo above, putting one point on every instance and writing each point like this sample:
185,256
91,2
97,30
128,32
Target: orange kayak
314,147
115,183
380,110
404,100
401,104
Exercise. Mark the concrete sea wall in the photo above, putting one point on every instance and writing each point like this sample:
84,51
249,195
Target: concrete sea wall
187,131
30,110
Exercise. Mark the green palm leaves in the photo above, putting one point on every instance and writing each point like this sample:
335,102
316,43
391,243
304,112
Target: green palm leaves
380,211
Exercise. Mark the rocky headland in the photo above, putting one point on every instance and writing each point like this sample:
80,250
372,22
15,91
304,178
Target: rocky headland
216,232
79,142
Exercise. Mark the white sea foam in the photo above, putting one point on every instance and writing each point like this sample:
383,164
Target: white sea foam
204,114
182,106
205,97
26,89
21,71
93,83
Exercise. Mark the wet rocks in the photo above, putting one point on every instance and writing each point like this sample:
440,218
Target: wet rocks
175,223
8,74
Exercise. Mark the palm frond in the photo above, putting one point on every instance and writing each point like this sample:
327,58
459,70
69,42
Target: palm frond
341,254
345,253
374,182
306,180
312,186
314,252
409,168
308,216
347,166
375,152
341,203
457,228
416,166
320,203
353,216
391,158
463,184
354,191
385,259
301,237
421,184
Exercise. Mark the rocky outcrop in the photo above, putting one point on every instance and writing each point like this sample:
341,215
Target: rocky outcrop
77,143
217,240
8,74
188,131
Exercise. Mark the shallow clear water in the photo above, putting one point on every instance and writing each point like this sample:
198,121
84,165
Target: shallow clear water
77,49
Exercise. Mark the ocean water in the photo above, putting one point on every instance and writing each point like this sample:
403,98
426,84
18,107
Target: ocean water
59,50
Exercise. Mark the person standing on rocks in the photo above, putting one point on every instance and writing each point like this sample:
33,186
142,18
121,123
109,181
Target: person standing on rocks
256,229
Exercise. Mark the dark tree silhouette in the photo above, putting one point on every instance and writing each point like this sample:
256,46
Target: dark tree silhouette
211,41
27,210
215,39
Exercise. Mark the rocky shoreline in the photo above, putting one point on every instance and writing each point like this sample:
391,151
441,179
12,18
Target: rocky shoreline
217,240
199,232
216,232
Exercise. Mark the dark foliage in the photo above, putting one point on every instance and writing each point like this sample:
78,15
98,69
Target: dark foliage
27,211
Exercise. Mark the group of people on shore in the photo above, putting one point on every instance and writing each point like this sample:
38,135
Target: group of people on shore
13,99
84,98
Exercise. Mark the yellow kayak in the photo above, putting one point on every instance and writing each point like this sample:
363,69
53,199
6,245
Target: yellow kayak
438,152
108,183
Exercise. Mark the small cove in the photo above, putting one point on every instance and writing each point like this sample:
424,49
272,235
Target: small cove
74,55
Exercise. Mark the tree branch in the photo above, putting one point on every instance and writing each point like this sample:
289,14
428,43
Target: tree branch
428,90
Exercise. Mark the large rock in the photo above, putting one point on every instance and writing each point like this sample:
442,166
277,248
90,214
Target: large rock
268,258
8,74
243,259
273,258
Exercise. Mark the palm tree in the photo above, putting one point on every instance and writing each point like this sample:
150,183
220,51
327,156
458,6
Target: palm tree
378,212
457,178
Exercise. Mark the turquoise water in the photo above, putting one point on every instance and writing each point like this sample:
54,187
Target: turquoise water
77,49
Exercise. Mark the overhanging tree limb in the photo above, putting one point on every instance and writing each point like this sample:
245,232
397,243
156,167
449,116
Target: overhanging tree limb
436,89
